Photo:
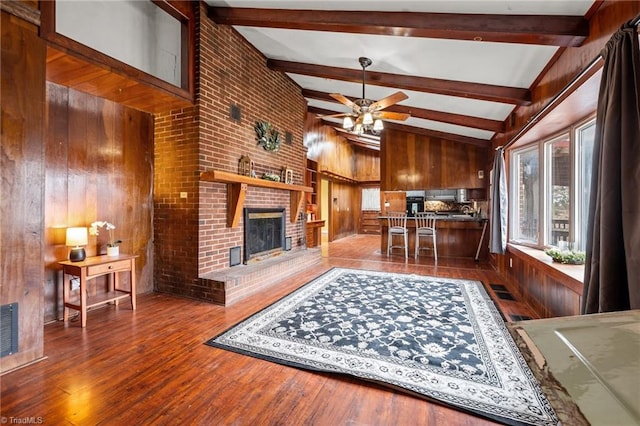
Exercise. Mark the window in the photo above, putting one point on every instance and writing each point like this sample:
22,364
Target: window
585,136
557,190
525,194
150,36
564,190
371,199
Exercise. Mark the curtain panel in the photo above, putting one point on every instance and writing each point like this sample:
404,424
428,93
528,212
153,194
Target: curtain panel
612,268
499,206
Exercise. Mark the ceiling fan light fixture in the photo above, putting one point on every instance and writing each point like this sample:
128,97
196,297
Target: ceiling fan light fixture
377,125
347,123
367,118
358,130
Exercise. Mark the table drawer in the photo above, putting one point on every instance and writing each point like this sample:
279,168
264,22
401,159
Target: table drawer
120,265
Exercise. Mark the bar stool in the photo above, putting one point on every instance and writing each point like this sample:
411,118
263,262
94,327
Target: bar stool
397,222
426,228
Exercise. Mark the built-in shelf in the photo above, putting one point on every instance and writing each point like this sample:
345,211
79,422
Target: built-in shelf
237,189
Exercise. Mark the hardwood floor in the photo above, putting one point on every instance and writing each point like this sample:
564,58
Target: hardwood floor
151,366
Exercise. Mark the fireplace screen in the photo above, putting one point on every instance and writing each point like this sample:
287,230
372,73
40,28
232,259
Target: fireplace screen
264,232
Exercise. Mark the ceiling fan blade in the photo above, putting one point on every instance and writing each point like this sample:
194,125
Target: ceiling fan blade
399,116
336,115
344,100
388,101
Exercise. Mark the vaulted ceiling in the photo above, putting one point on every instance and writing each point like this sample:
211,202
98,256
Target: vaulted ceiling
465,65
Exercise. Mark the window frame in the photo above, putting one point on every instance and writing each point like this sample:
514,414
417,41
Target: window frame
544,186
547,188
514,215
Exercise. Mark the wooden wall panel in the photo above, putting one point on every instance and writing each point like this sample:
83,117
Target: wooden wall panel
548,292
367,165
333,153
344,210
99,158
21,190
414,162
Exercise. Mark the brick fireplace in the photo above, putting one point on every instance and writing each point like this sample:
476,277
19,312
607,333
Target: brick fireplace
192,237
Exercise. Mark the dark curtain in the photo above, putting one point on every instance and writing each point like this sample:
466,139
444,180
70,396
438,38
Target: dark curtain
612,269
499,202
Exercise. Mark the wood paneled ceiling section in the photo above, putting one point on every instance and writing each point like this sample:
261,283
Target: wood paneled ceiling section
74,65
260,23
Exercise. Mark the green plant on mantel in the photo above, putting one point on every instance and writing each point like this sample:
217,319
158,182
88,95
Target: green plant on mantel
268,137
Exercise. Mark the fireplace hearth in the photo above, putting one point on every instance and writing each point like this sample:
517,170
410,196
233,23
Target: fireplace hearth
264,233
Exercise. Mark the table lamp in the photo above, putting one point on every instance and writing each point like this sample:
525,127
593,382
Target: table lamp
77,237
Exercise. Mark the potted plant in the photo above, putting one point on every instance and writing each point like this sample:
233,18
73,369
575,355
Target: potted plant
570,257
113,245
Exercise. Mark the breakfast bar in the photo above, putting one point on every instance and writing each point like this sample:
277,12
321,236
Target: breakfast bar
458,235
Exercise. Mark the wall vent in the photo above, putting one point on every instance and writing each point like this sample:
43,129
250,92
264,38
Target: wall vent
234,256
235,112
8,329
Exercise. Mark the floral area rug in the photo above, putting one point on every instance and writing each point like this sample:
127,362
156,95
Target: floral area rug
440,338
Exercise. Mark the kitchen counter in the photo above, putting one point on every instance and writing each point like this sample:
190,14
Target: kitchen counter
447,217
457,235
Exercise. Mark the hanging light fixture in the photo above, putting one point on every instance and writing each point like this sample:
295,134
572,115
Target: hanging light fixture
363,120
366,115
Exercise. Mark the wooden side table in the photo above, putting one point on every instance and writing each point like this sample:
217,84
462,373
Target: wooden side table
93,267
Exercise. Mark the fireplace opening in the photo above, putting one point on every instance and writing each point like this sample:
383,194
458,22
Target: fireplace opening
264,233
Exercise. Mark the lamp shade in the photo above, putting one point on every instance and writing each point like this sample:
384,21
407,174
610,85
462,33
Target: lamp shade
367,118
76,237
347,123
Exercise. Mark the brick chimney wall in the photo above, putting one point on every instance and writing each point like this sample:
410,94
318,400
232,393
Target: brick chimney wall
190,234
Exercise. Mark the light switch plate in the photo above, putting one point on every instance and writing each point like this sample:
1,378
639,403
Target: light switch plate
183,195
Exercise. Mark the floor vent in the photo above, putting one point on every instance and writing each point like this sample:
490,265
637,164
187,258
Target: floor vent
8,329
502,292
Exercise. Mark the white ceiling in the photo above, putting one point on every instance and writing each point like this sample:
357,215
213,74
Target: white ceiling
493,63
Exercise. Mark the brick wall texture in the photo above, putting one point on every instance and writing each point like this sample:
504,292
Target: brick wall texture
190,234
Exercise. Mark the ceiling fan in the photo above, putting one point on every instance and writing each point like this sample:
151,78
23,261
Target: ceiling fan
367,115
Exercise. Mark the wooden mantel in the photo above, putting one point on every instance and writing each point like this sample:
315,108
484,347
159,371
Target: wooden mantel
237,190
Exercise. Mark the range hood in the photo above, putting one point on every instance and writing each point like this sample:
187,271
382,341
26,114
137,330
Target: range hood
457,195
440,194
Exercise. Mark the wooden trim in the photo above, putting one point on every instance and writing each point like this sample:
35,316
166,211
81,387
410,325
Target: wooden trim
22,11
237,187
337,177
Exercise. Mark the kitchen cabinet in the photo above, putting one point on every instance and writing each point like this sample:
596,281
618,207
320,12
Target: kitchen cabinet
414,162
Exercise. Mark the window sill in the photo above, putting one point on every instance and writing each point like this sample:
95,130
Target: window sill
570,275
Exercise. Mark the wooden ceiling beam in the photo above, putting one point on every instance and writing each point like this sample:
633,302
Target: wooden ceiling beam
552,30
426,114
463,89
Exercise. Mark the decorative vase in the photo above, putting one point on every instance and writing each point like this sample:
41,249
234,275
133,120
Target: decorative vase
113,251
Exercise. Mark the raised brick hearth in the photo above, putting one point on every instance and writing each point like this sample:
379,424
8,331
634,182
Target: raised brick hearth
230,285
